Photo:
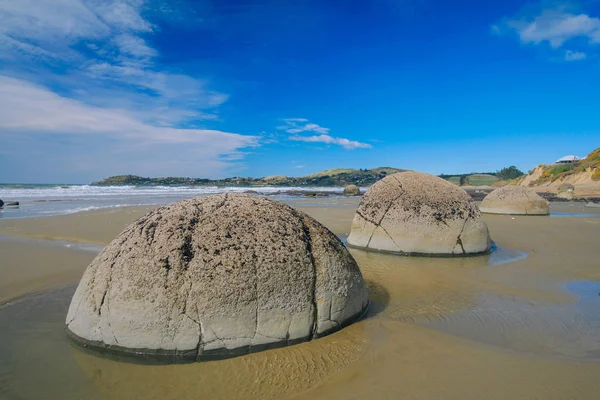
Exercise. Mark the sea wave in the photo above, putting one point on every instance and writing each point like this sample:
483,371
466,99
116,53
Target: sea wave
86,192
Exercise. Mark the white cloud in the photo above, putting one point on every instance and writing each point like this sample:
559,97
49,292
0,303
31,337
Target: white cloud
347,144
134,46
110,84
557,28
574,55
103,45
25,107
295,126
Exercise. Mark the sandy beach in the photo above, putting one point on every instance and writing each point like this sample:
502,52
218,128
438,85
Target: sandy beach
520,323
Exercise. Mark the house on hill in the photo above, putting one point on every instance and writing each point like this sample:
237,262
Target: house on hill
567,159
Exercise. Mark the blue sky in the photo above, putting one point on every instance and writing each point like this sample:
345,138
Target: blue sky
92,88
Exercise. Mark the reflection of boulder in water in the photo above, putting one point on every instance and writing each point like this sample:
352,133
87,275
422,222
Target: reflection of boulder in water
276,374
417,213
217,276
514,200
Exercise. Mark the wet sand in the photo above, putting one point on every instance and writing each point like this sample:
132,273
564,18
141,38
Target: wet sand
521,323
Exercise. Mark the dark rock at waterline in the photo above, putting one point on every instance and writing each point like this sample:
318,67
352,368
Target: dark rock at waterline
305,193
11,203
1,203
556,199
478,194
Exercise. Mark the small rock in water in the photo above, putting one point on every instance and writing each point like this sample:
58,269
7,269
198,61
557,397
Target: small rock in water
1,203
11,203
351,190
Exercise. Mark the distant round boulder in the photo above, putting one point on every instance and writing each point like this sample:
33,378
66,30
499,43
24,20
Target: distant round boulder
351,190
1,203
417,213
514,200
566,187
214,277
568,195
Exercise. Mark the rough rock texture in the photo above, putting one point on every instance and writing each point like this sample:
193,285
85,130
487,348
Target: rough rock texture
516,200
417,213
217,276
351,190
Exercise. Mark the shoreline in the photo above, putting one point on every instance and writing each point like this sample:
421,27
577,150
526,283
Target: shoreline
524,313
74,238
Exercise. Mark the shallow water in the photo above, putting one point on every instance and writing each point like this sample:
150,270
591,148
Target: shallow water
48,200
522,322
40,363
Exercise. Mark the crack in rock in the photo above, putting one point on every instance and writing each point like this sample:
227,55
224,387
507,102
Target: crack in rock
459,239
378,224
308,243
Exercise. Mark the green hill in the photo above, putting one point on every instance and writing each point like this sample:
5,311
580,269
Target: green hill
332,177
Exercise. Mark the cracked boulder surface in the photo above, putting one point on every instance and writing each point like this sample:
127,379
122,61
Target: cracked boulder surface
351,190
214,277
420,214
514,200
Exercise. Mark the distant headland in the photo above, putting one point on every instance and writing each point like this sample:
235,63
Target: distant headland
333,177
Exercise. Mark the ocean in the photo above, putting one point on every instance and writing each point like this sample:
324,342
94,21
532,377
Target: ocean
47,200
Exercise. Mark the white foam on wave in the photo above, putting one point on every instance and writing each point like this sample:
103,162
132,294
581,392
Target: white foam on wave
92,208
90,192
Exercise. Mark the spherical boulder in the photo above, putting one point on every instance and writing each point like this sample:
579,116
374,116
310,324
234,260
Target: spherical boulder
417,213
514,200
566,187
214,277
351,190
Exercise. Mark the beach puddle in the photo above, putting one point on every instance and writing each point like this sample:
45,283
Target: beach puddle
570,330
573,215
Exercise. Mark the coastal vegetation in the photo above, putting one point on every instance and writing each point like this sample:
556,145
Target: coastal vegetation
472,179
511,172
332,177
556,172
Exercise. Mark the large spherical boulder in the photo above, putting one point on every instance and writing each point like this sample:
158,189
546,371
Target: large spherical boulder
416,213
514,200
351,190
217,276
